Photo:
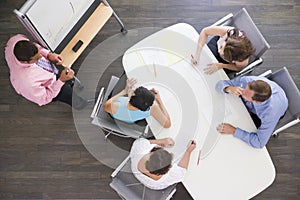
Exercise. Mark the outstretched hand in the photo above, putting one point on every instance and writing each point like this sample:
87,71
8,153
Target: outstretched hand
226,128
211,68
195,60
164,142
55,58
167,142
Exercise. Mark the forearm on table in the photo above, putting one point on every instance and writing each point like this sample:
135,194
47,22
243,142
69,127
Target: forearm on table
157,141
255,139
237,66
165,113
232,67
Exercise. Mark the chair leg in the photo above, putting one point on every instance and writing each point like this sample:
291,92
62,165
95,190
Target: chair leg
275,135
106,136
123,29
80,86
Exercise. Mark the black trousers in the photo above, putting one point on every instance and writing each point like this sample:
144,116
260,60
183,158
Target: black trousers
66,94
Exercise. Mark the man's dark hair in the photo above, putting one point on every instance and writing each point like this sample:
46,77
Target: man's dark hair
142,99
160,161
262,90
24,50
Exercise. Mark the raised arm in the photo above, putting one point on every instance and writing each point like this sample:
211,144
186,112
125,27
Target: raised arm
159,111
205,32
184,162
237,66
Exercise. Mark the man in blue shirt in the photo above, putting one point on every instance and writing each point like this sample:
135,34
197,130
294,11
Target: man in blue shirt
265,101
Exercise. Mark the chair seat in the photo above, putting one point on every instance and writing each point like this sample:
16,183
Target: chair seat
292,116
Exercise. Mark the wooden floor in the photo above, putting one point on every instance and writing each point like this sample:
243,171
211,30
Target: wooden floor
41,155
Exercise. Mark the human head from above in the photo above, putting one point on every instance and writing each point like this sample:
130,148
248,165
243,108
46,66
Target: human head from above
160,161
142,98
237,46
257,91
26,52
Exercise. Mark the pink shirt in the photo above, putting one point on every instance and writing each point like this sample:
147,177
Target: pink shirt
29,80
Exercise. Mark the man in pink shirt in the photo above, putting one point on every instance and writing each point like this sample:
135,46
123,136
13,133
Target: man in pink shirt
33,75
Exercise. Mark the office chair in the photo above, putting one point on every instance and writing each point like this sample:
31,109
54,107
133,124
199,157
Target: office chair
128,187
292,116
243,21
113,126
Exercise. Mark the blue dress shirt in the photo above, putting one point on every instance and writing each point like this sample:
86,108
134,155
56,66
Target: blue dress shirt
269,111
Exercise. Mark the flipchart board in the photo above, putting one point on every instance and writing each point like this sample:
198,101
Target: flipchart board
53,23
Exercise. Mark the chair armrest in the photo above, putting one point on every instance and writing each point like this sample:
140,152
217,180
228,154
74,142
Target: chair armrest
223,20
249,67
123,163
266,73
292,123
98,103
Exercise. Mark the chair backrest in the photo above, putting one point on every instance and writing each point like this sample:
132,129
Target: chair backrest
243,21
102,119
283,78
128,187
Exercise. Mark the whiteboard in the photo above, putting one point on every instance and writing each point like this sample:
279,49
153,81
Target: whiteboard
54,19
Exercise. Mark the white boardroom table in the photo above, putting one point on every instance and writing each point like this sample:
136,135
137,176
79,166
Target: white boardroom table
228,168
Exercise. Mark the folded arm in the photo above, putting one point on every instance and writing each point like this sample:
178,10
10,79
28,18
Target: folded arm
159,111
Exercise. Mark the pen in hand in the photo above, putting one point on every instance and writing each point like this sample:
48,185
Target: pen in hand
194,62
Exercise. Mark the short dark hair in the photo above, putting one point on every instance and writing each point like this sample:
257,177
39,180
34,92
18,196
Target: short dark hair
142,99
160,161
24,50
262,90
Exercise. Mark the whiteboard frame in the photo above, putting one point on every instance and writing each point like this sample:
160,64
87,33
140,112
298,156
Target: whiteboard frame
26,22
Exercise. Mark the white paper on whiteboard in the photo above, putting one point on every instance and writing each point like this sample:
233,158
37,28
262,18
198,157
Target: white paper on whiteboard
54,19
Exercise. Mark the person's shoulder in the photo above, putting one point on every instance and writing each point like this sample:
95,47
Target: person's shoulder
141,141
18,37
13,40
176,173
140,145
252,78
